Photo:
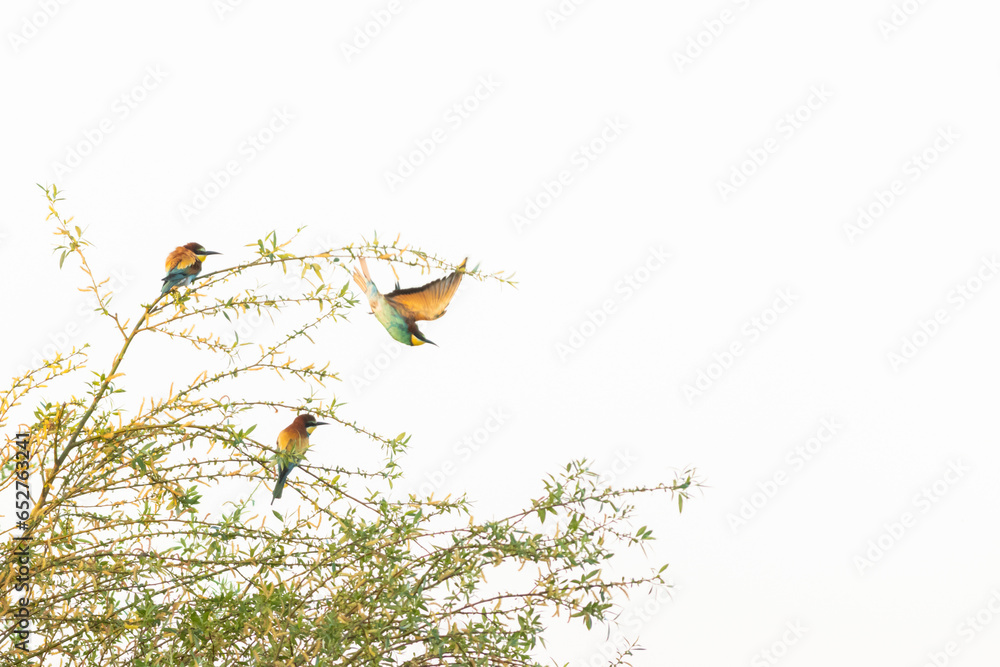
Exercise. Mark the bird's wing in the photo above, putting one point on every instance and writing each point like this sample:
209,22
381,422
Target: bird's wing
291,442
180,259
427,302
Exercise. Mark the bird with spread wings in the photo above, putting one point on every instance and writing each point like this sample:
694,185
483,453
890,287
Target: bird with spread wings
399,310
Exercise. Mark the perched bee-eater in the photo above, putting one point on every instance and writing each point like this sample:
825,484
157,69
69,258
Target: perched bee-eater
293,441
184,265
399,310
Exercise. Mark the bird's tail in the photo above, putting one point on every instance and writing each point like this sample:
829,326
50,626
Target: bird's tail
279,486
364,279
167,284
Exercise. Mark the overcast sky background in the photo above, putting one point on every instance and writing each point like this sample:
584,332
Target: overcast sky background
679,189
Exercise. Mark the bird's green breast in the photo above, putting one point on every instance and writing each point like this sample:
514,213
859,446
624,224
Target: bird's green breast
392,321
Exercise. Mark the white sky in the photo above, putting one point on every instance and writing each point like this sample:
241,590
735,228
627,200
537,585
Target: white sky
199,80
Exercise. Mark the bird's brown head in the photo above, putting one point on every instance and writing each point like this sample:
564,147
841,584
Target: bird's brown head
199,250
308,422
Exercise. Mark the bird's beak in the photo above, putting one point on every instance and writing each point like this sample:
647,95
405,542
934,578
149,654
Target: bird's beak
418,339
210,252
321,424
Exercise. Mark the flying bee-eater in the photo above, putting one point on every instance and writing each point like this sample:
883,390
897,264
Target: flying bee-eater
184,265
293,442
399,310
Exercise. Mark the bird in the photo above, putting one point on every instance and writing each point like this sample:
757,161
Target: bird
293,442
184,265
399,310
